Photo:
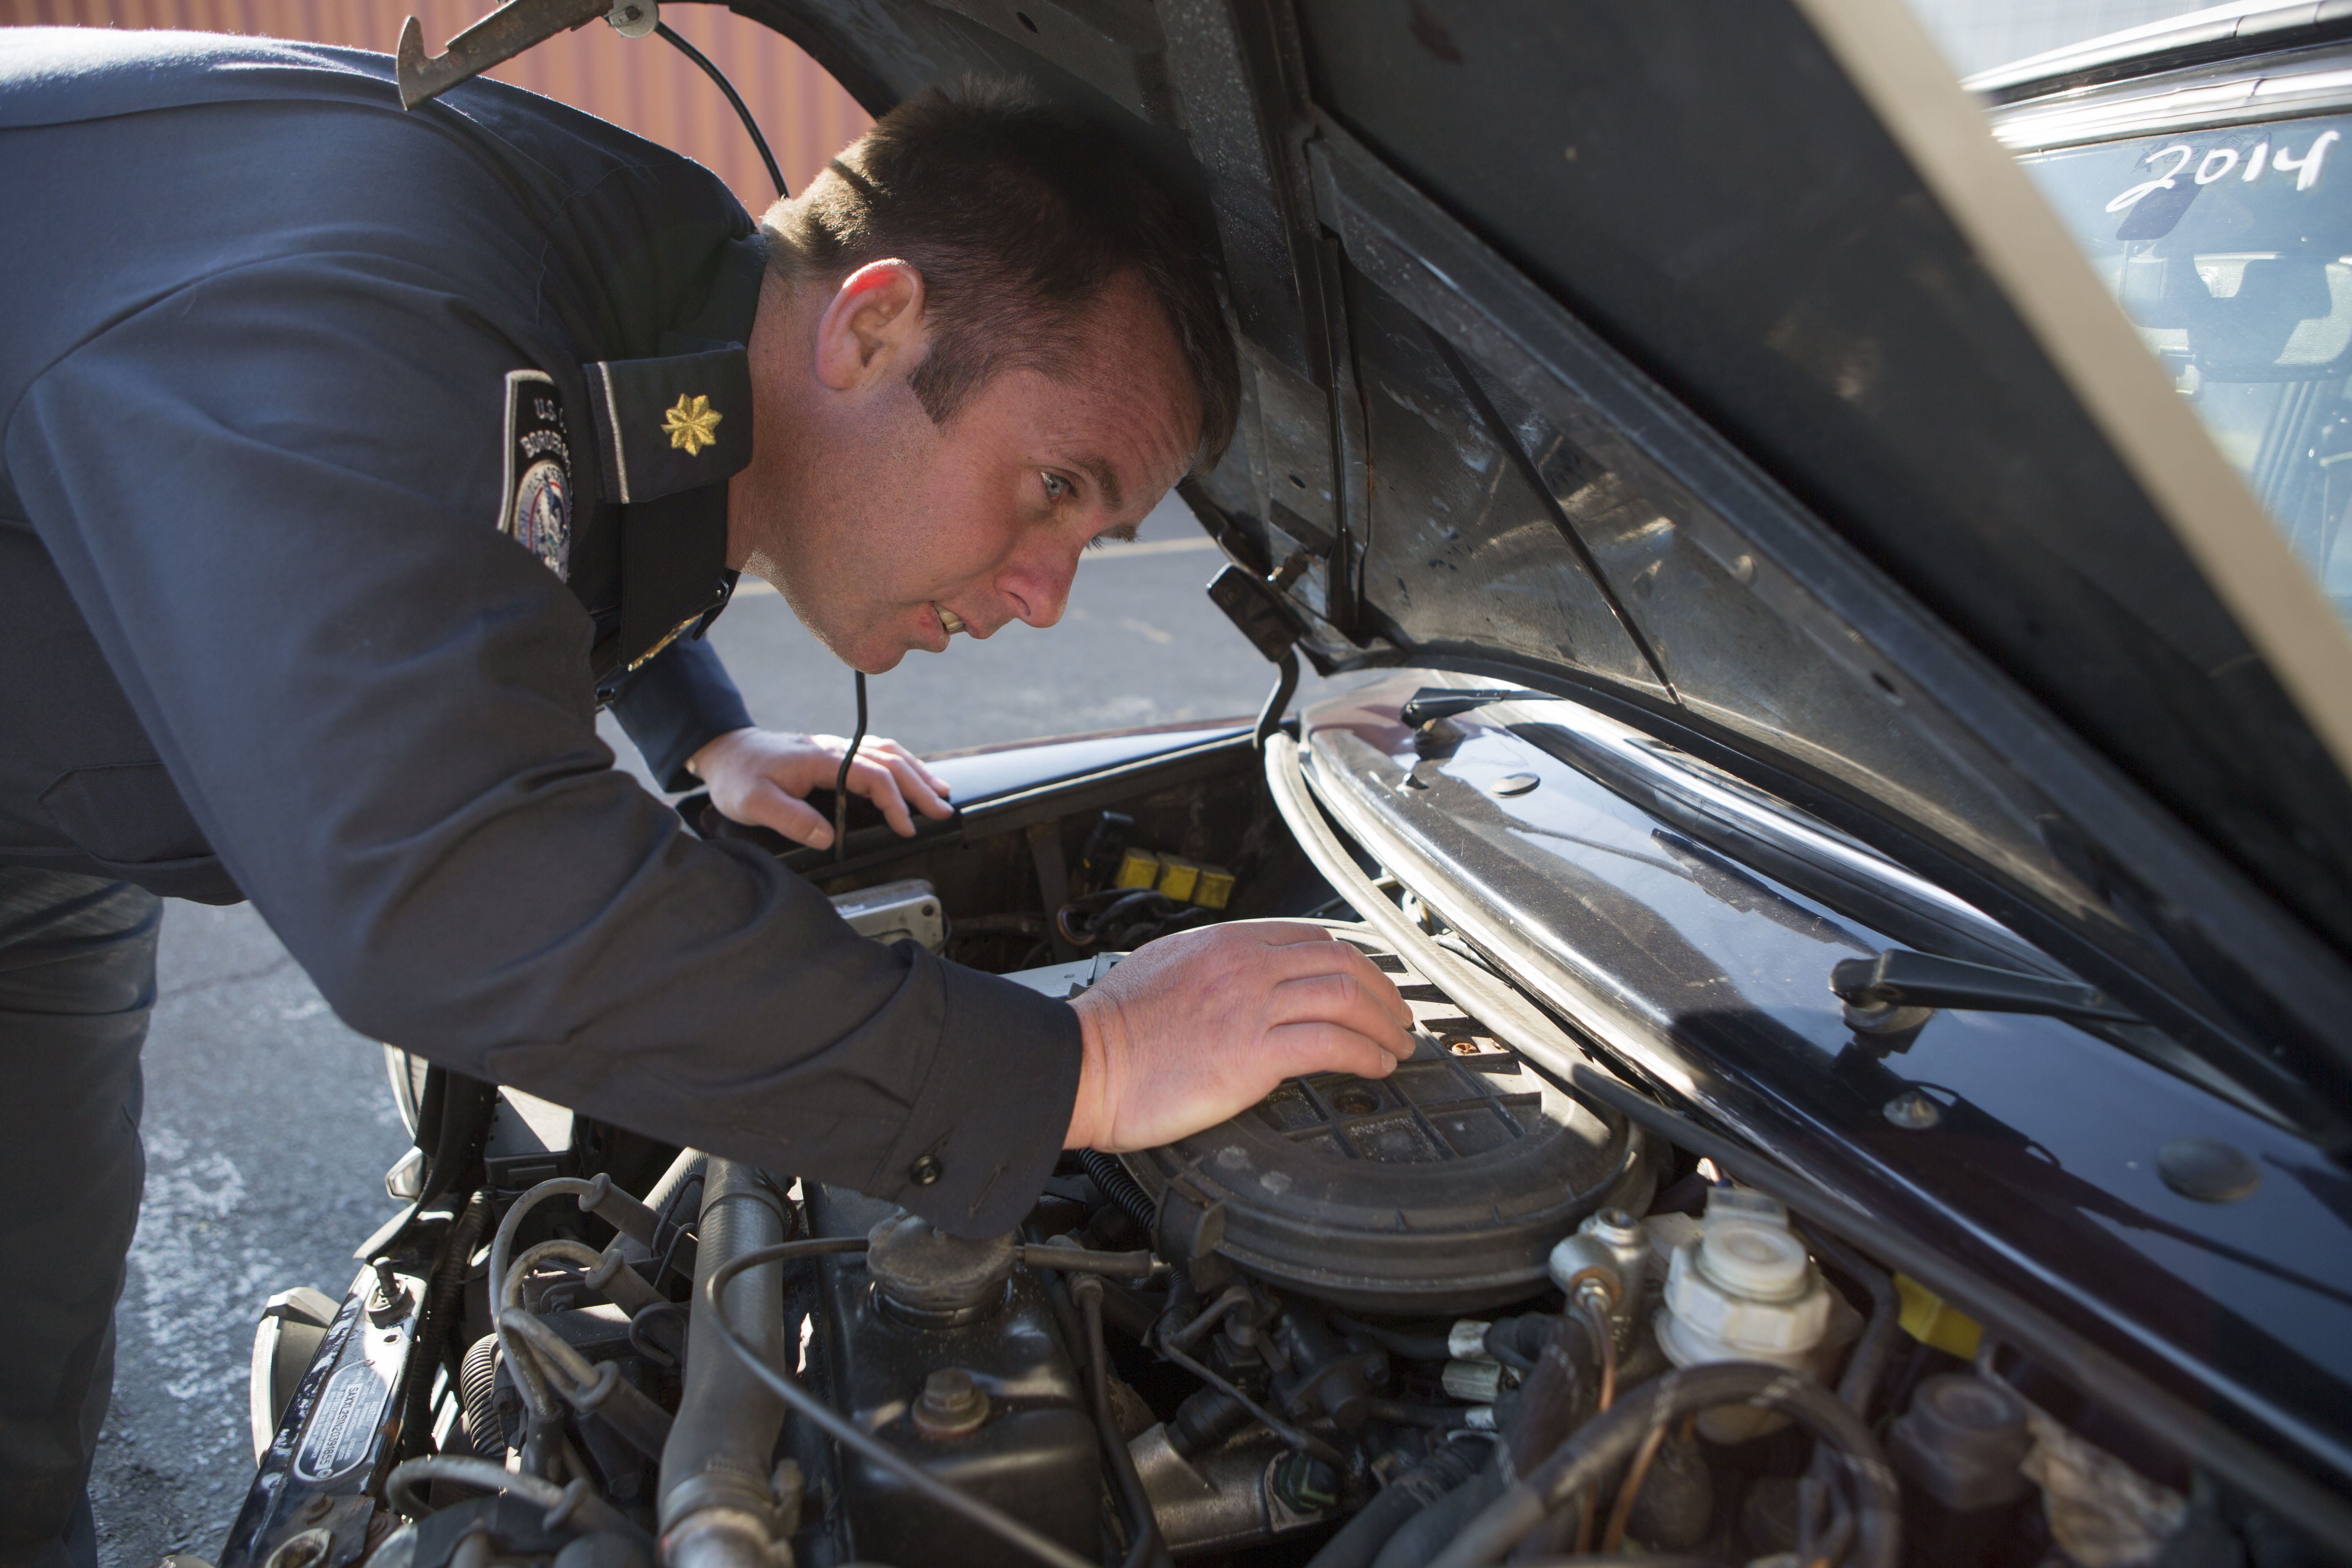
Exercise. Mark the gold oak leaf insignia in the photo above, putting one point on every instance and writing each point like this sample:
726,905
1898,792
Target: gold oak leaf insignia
692,423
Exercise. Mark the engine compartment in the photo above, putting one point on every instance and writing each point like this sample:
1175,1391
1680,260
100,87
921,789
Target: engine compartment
1464,1314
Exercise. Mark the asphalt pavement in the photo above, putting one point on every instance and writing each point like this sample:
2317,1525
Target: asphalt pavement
268,1124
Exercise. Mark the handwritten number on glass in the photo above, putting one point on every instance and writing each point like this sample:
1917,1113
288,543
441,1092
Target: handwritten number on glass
2163,183
2218,163
2309,166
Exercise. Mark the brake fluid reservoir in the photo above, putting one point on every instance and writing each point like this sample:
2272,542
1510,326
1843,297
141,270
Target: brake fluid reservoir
1744,1289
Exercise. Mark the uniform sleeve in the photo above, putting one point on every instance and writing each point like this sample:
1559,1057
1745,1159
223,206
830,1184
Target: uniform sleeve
679,703
273,495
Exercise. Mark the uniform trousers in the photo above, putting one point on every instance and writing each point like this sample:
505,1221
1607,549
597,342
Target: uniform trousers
77,983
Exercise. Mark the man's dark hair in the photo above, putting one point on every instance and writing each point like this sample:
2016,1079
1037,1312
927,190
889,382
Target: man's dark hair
1018,216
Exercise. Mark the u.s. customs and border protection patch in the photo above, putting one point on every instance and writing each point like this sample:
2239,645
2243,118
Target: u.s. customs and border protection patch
535,508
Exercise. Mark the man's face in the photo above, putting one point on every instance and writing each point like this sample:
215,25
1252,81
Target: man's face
885,531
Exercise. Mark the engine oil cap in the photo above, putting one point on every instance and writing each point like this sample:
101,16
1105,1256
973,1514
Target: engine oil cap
926,1276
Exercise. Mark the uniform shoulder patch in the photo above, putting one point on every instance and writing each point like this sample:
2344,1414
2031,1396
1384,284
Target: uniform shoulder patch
535,506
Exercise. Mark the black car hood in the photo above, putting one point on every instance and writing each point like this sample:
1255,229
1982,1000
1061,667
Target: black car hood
1700,362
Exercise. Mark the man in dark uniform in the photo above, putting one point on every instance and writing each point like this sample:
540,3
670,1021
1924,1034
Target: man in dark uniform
351,458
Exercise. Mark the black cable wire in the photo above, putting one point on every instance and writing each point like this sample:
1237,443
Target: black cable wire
642,1342
1144,1547
742,110
848,1433
751,126
1298,1437
841,780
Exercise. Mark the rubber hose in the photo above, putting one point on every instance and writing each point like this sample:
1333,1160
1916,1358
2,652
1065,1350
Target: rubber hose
1363,1537
719,1453
1868,1358
1119,1187
440,1315
1870,1352
664,1194
478,1391
1127,1313
1412,1347
1426,1533
1553,1400
676,1203
1360,1539
1608,1439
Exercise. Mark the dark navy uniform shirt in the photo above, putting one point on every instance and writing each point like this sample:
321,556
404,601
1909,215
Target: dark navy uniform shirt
347,457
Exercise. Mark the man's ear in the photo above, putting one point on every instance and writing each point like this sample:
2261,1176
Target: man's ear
872,326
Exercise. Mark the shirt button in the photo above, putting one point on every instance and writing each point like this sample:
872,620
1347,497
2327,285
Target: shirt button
924,1171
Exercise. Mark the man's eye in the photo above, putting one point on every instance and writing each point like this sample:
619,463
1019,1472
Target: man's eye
1056,487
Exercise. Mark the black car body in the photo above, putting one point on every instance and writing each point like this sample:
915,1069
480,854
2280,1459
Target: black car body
1767,549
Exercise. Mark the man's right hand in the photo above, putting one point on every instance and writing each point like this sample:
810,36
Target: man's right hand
763,776
1196,1028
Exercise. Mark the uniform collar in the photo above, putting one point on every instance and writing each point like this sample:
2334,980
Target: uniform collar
670,431
734,299
682,419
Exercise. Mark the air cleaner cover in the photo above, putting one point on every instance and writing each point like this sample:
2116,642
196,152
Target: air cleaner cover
1441,1188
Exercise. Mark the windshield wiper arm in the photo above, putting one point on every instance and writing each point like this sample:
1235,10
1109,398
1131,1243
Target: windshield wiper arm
1432,703
1899,979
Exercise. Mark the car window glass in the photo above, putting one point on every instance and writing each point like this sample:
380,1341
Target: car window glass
1978,35
2230,250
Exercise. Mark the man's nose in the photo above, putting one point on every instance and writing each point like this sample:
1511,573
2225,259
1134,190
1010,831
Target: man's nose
1037,586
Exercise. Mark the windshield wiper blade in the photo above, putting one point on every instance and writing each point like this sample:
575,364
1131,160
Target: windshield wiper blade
1899,978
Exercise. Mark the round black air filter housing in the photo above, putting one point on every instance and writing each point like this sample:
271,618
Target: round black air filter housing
1441,1188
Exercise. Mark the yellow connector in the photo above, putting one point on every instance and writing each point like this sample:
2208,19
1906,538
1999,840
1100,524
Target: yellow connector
1138,868
1215,889
1177,877
1933,1322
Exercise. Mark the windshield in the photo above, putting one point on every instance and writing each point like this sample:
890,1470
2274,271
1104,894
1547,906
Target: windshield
2231,252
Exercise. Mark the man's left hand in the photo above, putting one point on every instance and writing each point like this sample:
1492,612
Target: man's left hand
762,778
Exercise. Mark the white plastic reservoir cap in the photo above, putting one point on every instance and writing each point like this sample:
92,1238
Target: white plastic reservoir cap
1762,1261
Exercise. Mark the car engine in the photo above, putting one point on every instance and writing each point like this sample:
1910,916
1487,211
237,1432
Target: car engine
1464,1314
1328,1331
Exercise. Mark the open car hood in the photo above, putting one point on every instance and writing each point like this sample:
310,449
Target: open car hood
1713,365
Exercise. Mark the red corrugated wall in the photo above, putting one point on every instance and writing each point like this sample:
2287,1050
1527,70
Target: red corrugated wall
642,84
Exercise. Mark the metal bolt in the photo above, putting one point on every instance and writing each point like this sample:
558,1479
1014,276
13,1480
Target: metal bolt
316,1508
1914,1110
1597,1286
952,1404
